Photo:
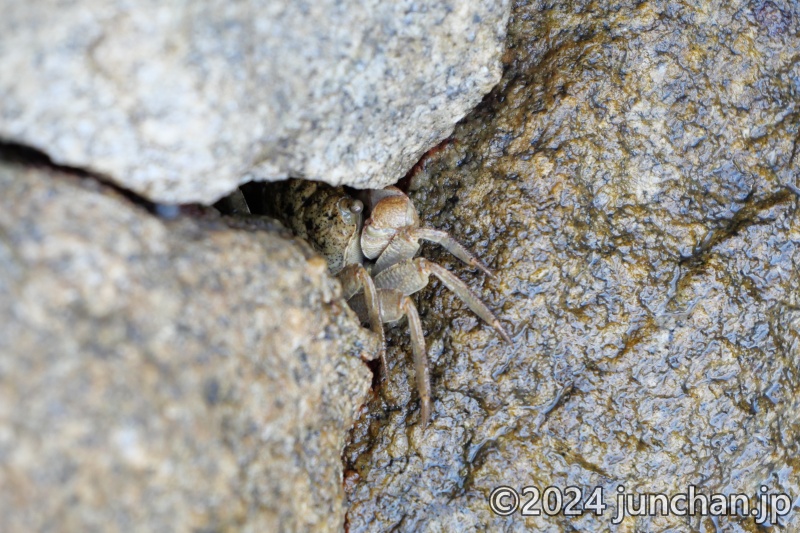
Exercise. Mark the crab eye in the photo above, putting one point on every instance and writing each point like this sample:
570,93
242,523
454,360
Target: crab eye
350,209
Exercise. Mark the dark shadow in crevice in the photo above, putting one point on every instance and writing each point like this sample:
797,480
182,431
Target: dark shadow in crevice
23,155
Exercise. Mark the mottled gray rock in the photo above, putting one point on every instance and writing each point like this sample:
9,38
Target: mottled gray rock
181,101
633,181
166,376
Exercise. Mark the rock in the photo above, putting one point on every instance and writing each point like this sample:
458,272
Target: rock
182,102
166,376
633,181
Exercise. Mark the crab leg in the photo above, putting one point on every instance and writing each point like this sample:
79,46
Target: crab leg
405,244
443,239
412,275
395,305
354,279
421,370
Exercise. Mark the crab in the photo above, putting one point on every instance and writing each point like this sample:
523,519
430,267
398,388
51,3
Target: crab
375,259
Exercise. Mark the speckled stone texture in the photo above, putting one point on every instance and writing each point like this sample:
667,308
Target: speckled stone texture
181,101
166,376
634,183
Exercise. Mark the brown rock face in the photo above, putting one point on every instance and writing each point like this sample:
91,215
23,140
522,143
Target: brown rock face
634,183
167,376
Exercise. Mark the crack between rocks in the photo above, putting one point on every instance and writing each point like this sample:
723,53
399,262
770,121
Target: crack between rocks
689,265
743,219
29,157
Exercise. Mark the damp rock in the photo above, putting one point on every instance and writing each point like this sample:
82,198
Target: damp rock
633,182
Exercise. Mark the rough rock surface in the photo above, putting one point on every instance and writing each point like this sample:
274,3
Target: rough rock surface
165,376
181,101
634,182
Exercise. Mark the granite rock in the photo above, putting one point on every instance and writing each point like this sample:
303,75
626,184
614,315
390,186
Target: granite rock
158,375
182,101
